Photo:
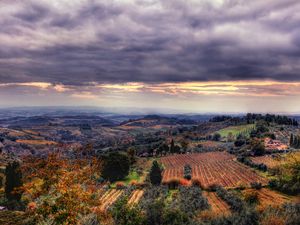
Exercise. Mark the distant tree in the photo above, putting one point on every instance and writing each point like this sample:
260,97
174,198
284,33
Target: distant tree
177,149
162,149
258,147
172,146
131,155
230,137
155,173
261,127
216,137
116,166
13,176
184,144
291,140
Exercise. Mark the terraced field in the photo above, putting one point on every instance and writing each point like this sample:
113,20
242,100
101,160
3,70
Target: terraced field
109,198
268,197
218,206
135,197
213,168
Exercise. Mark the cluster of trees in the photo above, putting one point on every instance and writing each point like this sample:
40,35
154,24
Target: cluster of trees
257,147
288,176
253,117
165,149
220,118
191,200
235,203
260,130
250,163
271,118
295,141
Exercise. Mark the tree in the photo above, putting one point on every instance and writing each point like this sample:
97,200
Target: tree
116,166
13,181
187,172
216,137
131,155
230,137
184,144
162,149
172,146
291,140
258,147
155,173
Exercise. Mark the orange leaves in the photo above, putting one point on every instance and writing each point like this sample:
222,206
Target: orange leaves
31,206
60,188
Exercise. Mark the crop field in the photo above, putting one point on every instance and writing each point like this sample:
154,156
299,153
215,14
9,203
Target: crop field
36,142
268,197
236,130
218,206
212,168
109,198
135,197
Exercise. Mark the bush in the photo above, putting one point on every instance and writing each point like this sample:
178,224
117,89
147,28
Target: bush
187,172
120,185
250,163
184,182
155,212
256,185
90,219
173,183
175,217
216,137
251,197
126,215
235,203
191,200
196,182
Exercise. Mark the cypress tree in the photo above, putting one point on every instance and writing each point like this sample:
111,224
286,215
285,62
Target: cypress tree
291,140
172,146
13,180
155,173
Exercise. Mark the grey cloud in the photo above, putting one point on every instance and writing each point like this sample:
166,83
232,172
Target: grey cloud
149,41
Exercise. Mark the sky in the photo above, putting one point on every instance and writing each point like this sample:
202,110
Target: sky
185,55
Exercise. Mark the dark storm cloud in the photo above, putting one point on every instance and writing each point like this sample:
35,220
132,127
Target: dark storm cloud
79,42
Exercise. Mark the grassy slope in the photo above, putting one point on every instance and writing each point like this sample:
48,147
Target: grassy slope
235,130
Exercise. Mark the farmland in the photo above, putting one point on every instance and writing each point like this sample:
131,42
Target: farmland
218,206
213,168
271,161
109,198
143,167
267,198
236,130
36,142
135,197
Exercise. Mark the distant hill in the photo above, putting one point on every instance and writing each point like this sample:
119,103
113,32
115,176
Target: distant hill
153,120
